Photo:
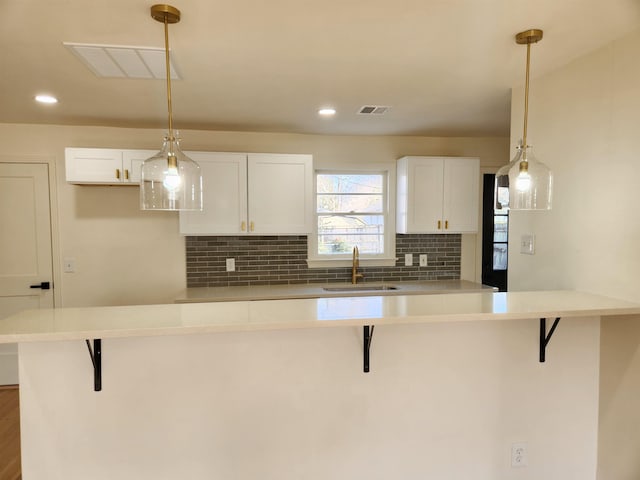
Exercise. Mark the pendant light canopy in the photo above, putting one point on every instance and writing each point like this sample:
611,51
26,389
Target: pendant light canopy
525,183
170,180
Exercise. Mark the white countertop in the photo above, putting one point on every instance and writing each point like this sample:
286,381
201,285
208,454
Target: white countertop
317,290
195,318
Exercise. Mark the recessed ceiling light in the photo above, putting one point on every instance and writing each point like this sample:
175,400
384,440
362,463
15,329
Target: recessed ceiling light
46,99
327,112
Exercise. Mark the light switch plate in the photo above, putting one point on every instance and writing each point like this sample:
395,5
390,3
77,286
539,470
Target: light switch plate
528,244
408,259
423,259
69,264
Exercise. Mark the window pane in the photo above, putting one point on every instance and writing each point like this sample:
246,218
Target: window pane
349,203
503,199
347,183
338,234
500,228
500,256
351,210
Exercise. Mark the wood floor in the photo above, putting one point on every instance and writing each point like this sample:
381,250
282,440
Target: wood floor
9,434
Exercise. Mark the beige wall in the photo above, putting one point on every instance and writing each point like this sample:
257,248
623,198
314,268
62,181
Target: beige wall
619,440
584,124
442,401
125,256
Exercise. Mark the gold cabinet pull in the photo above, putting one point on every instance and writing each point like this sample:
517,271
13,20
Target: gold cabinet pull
126,174
251,226
243,226
118,173
446,224
439,224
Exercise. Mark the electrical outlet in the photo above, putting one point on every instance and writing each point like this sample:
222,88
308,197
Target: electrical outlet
231,264
69,265
408,259
423,259
519,455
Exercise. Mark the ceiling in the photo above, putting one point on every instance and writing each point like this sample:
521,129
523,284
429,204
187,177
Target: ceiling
445,67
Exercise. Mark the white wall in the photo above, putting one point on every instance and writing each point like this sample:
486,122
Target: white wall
442,401
584,125
125,256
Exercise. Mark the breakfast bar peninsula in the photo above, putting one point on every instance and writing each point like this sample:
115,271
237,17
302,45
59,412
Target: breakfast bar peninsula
303,388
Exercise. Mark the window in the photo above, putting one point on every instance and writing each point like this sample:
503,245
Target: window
500,240
495,233
352,211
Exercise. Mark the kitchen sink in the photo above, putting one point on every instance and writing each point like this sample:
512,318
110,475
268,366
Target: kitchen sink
360,288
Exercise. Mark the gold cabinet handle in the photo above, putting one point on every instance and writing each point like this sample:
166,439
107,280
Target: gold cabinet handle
243,226
251,226
126,174
439,224
446,224
118,173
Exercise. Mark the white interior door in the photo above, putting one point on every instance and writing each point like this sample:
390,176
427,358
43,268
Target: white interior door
25,248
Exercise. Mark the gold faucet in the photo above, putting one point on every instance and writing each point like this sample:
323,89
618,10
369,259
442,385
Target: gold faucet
354,267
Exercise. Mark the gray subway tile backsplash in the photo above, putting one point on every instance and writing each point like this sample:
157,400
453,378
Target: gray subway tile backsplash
278,260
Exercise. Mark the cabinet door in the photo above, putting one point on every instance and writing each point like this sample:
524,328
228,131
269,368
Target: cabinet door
280,193
132,161
93,165
224,194
461,195
425,193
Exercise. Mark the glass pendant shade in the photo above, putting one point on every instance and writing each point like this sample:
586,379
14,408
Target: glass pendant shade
523,184
170,180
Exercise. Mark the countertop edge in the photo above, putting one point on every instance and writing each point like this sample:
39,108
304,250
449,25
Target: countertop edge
217,317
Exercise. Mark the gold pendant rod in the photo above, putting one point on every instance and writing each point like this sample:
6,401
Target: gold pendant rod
526,98
527,37
167,14
168,67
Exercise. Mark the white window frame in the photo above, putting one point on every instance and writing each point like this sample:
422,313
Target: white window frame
388,259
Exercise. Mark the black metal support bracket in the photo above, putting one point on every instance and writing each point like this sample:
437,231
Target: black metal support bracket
545,337
367,337
96,359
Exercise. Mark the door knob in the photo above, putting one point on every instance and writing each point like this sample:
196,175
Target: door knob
42,285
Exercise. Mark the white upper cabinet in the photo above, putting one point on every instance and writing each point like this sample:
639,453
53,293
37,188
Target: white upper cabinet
224,187
107,166
132,161
255,193
438,195
280,193
461,195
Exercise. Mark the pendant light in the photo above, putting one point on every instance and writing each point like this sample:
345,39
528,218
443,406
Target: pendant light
525,183
170,180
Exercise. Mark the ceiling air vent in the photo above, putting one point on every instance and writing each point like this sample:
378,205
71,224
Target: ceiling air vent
115,61
373,110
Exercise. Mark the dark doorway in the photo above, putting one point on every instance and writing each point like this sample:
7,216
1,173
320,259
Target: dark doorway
495,233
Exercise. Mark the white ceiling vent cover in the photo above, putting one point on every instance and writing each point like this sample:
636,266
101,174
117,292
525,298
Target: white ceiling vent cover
116,61
373,110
